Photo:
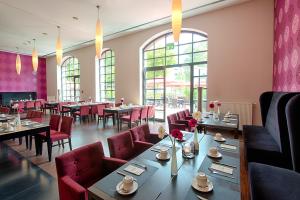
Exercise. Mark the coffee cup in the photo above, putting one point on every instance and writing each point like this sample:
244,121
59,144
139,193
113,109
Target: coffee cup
213,151
218,136
163,154
0,124
26,123
127,183
5,125
201,179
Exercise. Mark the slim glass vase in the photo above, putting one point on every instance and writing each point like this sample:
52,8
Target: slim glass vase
196,142
174,161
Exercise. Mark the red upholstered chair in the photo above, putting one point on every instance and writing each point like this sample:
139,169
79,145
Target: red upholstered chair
143,115
142,133
187,113
94,111
133,117
123,147
21,107
174,123
101,114
38,105
4,110
118,104
81,168
82,113
29,105
151,113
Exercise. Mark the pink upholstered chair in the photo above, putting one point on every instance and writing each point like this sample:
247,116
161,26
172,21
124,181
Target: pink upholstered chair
38,105
123,147
21,107
133,117
29,105
174,123
84,112
102,115
143,115
151,112
187,113
81,168
142,133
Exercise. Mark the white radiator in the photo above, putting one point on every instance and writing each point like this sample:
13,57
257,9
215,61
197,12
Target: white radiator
244,110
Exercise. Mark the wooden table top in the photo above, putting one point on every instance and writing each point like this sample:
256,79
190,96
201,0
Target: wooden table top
157,183
233,122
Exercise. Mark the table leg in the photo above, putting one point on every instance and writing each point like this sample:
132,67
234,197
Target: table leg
49,144
37,145
118,121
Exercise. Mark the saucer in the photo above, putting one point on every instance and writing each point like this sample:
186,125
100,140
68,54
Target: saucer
122,192
208,188
226,121
220,140
219,155
159,158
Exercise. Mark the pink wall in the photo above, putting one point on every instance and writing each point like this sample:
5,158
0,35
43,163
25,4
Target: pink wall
286,72
27,81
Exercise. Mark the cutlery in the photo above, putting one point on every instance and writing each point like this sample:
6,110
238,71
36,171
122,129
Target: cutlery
140,165
228,165
219,173
225,149
123,174
201,198
154,150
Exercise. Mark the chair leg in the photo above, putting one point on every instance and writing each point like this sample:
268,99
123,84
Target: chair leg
70,143
58,143
62,144
20,140
49,150
26,140
30,142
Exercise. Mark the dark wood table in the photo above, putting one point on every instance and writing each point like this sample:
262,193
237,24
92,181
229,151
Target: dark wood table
26,130
156,183
51,105
6,117
117,111
210,122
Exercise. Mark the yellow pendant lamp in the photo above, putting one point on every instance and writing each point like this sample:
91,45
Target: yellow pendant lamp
18,63
59,51
35,61
99,37
176,19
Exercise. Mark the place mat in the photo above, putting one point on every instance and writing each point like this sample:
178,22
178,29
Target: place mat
134,170
207,162
230,143
108,183
222,168
150,155
221,190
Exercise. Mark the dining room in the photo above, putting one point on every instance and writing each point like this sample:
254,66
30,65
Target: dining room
149,100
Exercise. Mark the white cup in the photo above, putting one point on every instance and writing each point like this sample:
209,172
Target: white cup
218,136
127,183
26,123
213,151
201,179
163,154
5,125
0,124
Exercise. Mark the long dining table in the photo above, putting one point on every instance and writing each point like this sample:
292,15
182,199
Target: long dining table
156,182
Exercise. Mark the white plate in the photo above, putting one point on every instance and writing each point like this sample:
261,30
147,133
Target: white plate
219,155
208,188
159,158
122,192
226,121
220,140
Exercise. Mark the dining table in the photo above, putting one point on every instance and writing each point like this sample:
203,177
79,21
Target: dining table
8,130
157,183
51,105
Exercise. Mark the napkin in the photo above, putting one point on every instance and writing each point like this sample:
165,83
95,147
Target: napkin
134,170
222,168
227,146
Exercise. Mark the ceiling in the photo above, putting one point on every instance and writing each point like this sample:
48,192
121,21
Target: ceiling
23,20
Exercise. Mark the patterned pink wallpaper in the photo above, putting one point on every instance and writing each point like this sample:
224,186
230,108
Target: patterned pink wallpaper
286,71
27,81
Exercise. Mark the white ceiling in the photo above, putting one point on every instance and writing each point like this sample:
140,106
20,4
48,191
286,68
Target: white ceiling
23,20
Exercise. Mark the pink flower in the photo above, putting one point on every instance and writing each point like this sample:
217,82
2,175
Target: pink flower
192,123
211,105
176,133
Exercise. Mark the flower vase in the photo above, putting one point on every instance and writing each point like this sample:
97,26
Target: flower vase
219,110
174,161
18,121
196,142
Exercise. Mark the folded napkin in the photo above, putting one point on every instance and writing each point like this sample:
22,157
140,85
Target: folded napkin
222,168
227,146
134,170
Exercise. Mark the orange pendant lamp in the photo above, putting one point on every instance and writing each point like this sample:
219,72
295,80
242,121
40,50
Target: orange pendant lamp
18,63
176,19
35,61
99,37
59,51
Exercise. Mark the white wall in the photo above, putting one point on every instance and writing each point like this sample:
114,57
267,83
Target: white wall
240,55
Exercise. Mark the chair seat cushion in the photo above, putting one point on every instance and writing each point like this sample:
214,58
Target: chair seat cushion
269,182
58,136
261,147
51,133
125,118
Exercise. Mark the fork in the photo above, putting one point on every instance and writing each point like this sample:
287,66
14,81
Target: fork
219,173
201,198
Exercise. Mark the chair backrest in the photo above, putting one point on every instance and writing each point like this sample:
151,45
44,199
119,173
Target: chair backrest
36,114
151,111
187,112
21,104
29,104
66,125
100,109
84,110
181,115
4,110
293,116
37,104
118,104
29,114
135,114
94,109
121,145
54,122
172,118
83,165
144,112
140,133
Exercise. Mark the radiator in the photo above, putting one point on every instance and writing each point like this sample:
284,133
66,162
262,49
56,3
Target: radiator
244,110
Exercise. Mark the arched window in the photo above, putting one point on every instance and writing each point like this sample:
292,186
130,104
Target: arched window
107,76
70,80
172,72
